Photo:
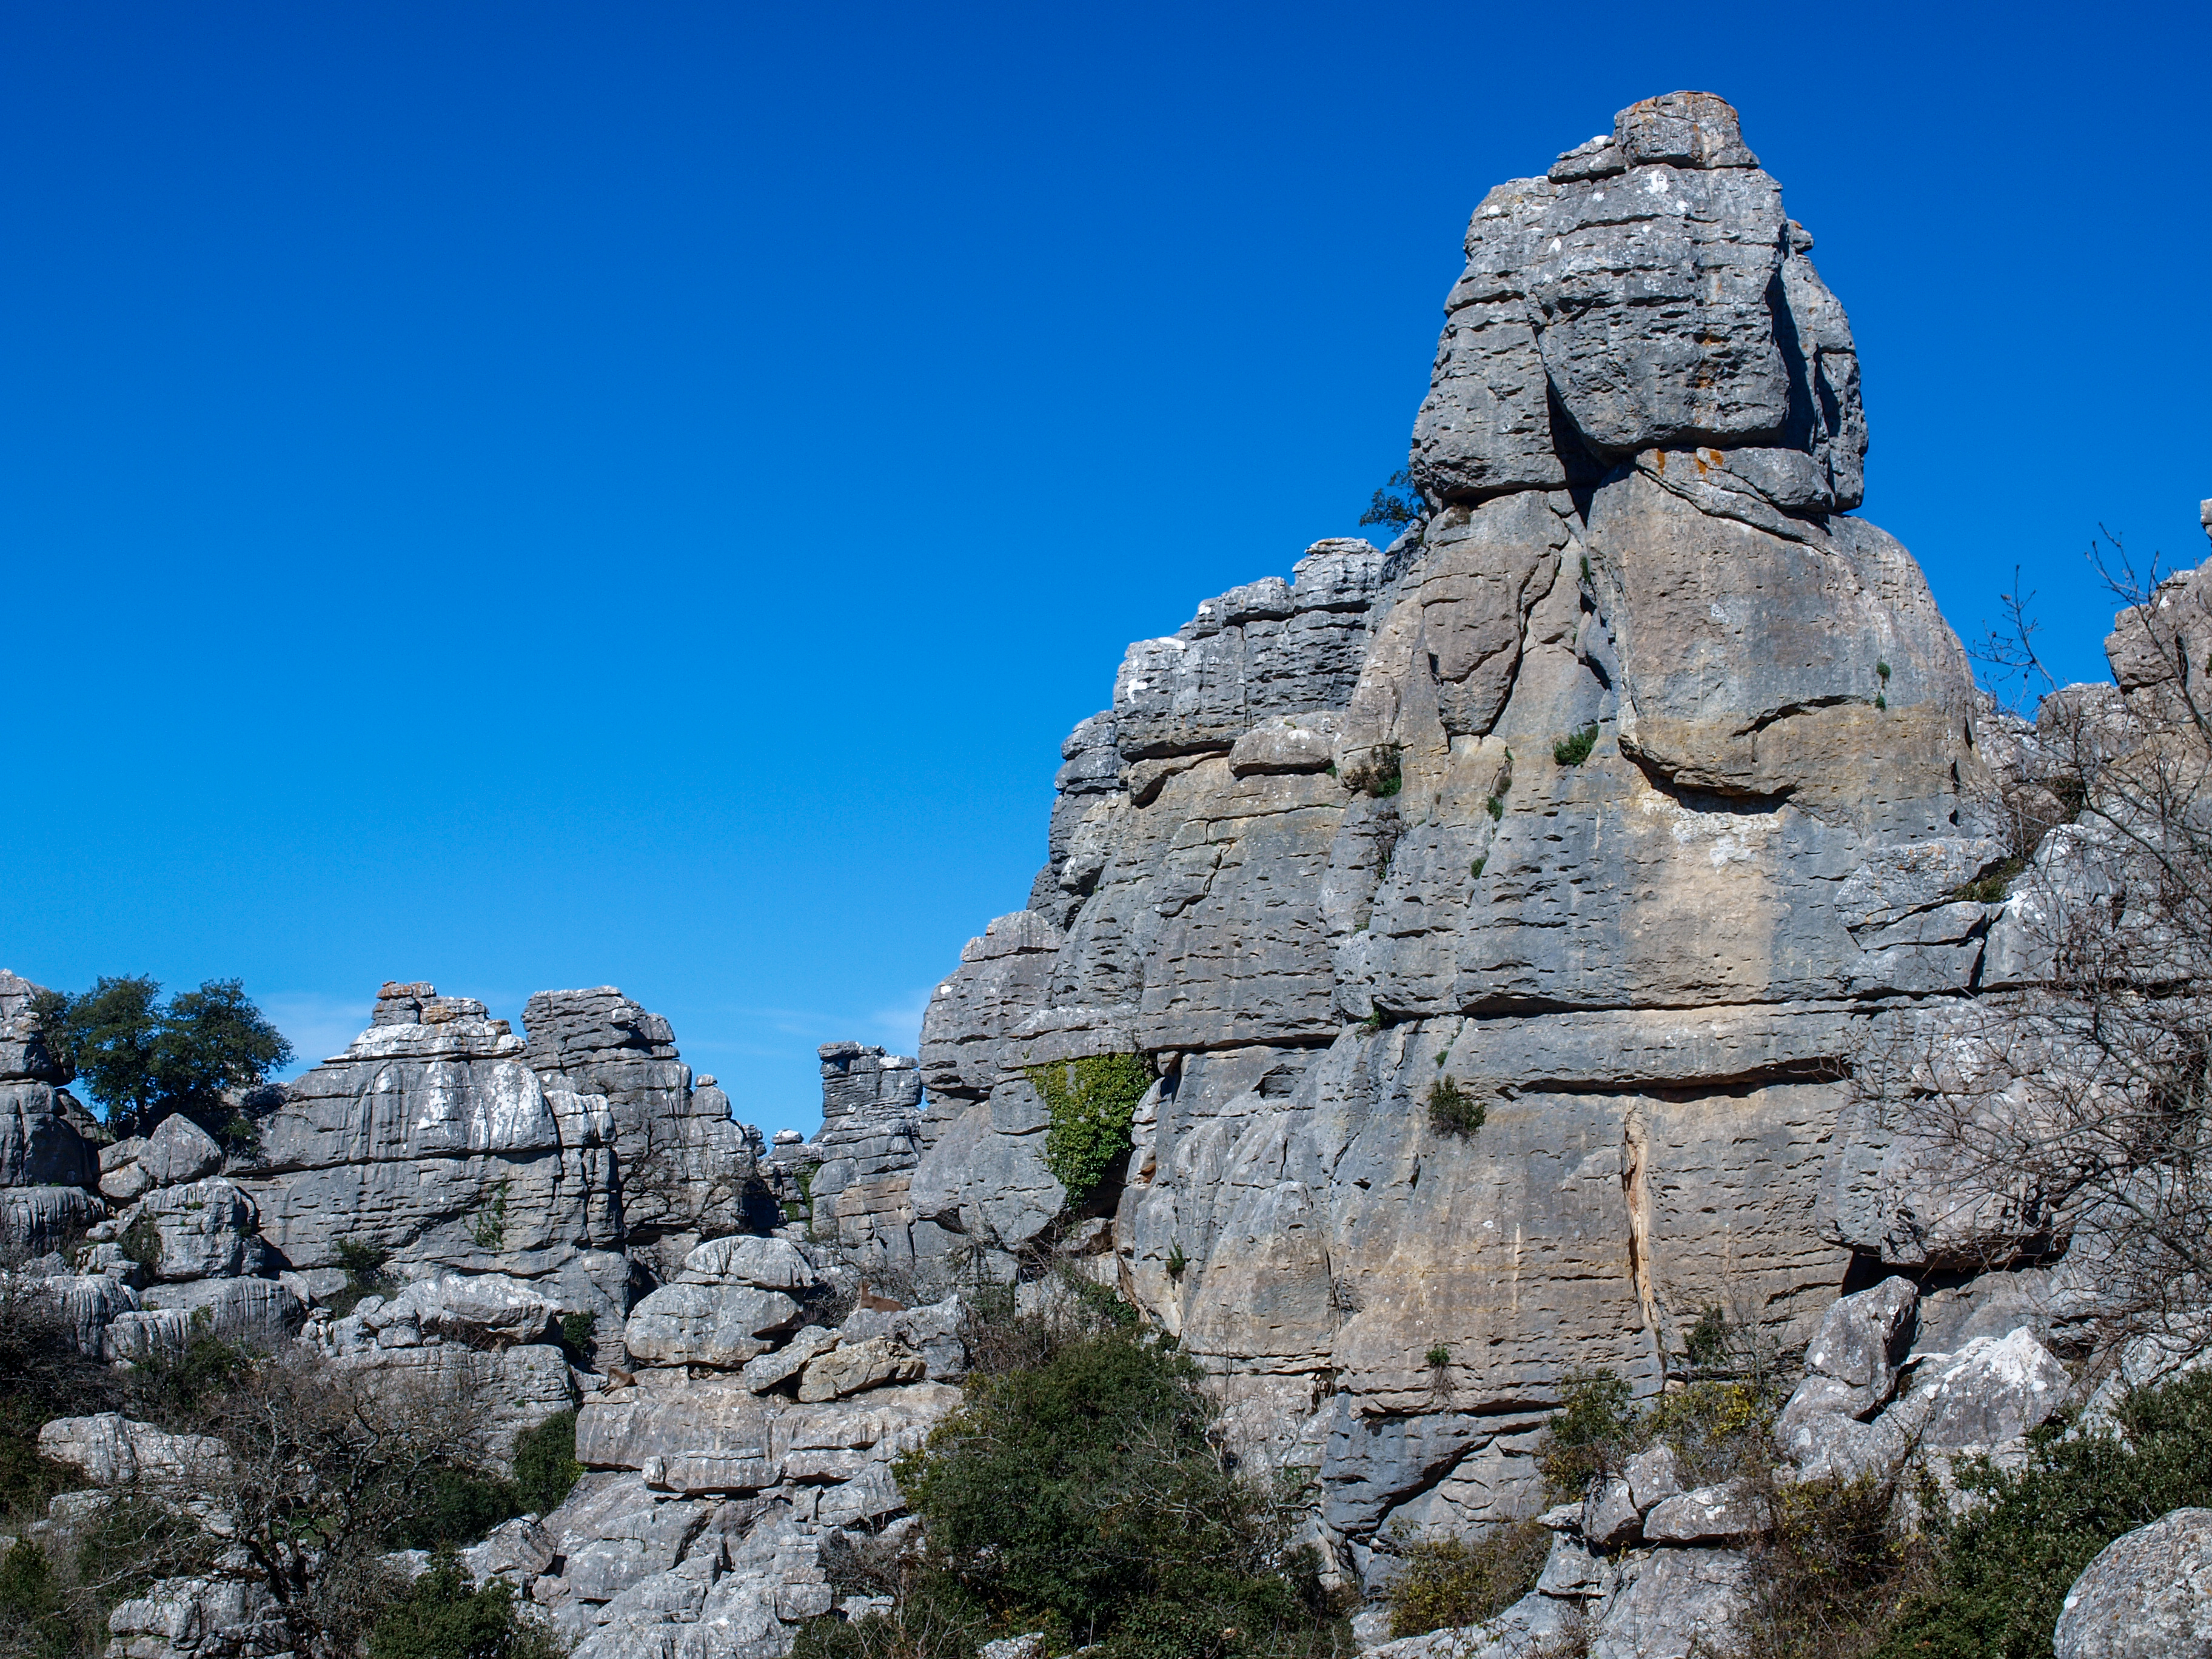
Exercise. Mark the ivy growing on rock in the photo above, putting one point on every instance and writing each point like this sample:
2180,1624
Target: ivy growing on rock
1092,1103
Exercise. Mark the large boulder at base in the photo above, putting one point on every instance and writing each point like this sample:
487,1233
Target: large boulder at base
2147,1595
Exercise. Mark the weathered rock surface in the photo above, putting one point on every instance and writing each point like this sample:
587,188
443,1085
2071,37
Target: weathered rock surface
2147,1595
1318,862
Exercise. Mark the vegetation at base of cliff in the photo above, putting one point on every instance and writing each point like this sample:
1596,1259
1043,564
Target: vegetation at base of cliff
1720,1428
143,1058
1576,748
444,1614
2001,1570
1454,1110
328,1474
1449,1581
1091,1103
1083,1493
1830,1572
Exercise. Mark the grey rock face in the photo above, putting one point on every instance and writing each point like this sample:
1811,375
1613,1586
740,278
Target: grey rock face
24,1056
686,1168
1644,296
2147,1595
1647,966
431,1138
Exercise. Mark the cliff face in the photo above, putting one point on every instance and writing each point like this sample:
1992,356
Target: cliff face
1321,857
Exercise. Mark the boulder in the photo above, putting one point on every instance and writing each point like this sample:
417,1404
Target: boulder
482,1310
201,1229
178,1151
768,1264
718,1325
854,1367
2148,1594
1708,1515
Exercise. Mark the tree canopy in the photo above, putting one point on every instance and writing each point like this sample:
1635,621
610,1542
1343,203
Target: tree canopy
143,1058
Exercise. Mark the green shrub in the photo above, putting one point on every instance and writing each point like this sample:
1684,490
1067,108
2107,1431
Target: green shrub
1706,1345
451,1507
1092,1103
1447,1583
168,1389
491,1231
545,1465
1438,1356
2003,1569
445,1615
1084,1496
141,1241
1593,1433
579,1335
1495,805
1576,748
35,1617
1476,868
1453,1110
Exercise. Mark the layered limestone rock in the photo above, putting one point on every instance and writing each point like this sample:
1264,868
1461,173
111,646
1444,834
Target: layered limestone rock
688,1169
48,1144
1321,865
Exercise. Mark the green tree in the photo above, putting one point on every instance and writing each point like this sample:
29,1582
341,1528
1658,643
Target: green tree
1397,504
143,1058
1085,1494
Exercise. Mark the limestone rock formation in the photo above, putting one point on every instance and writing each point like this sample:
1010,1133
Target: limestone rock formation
47,1160
1319,865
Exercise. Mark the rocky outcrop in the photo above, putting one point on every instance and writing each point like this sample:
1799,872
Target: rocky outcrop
47,1158
688,1169
1320,865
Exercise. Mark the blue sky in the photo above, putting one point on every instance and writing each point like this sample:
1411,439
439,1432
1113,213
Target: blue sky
532,496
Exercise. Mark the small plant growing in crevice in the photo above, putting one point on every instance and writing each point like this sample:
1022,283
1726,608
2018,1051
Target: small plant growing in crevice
1454,1110
1438,1358
1389,774
579,1335
1575,750
490,1230
1476,868
1882,669
1091,1103
1880,701
1495,805
1586,569
1176,1259
141,1241
1993,888
1375,1020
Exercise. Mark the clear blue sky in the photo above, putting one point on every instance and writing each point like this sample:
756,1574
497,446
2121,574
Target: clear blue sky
530,496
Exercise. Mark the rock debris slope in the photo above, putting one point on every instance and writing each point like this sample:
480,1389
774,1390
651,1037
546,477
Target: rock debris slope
1320,857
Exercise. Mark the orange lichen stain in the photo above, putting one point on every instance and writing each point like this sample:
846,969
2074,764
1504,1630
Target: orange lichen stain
1698,456
1661,454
